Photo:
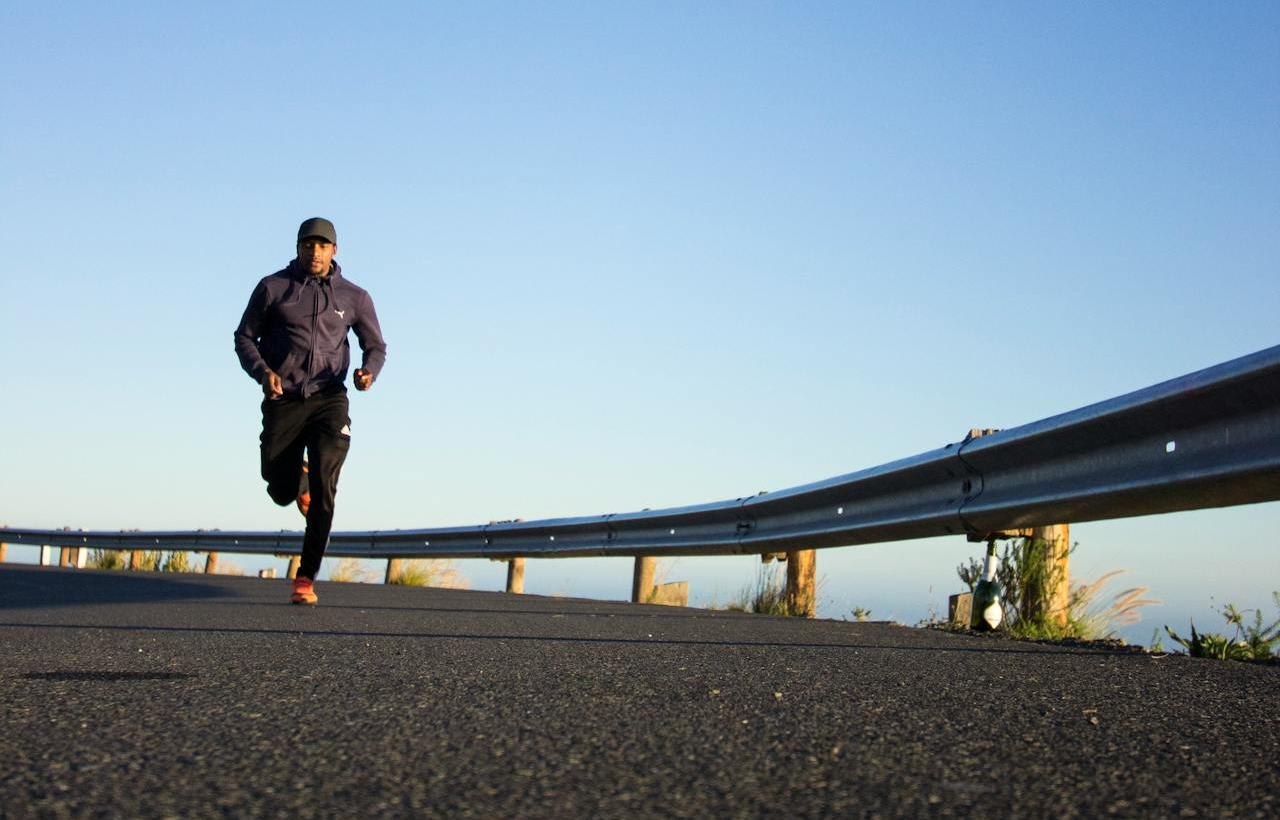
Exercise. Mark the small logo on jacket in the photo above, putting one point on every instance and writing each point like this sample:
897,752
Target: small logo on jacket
342,314
346,430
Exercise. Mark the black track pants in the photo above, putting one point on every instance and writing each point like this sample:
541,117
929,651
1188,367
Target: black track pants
320,426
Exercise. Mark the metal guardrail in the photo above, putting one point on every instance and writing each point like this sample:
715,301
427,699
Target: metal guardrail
1207,439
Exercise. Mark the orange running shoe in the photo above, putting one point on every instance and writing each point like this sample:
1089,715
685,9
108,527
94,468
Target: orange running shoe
304,494
304,592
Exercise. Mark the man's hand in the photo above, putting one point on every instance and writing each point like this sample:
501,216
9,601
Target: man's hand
271,385
363,379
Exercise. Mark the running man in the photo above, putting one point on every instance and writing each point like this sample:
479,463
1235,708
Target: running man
292,340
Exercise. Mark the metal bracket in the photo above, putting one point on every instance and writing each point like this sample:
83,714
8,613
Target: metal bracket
972,487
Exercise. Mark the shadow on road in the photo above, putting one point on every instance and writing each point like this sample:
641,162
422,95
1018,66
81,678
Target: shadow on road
23,587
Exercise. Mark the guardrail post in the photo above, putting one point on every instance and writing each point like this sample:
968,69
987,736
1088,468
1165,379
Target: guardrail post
135,560
295,561
1054,600
64,556
73,557
46,555
642,579
393,570
802,566
515,575
211,564
3,549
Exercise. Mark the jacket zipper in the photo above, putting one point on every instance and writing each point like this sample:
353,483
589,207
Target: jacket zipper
315,321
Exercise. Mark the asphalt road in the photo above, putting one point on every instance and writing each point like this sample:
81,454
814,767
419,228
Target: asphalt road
160,695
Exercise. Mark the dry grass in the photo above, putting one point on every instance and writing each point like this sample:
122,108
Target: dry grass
106,559
1093,618
352,571
149,561
766,595
179,561
431,572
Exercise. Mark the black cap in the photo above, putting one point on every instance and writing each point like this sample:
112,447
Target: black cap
319,227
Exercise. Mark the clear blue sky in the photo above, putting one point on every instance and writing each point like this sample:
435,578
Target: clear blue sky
635,255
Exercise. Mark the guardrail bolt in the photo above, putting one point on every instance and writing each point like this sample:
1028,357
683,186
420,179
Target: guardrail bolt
515,575
802,570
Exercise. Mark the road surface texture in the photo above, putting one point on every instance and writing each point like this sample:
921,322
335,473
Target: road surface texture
149,695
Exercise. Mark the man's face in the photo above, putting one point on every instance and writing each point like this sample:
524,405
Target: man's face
315,254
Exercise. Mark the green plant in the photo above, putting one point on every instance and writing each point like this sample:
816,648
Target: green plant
1262,640
1020,567
1026,577
766,595
1253,642
1211,645
1040,574
860,614
105,559
970,573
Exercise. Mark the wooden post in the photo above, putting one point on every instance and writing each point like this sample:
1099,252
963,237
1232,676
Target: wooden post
295,561
46,555
801,580
393,570
135,560
960,610
675,593
64,556
642,579
515,575
73,557
1053,602
3,549
211,564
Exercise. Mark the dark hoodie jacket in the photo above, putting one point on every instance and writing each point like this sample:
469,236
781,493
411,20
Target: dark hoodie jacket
296,324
